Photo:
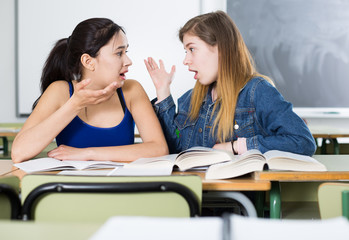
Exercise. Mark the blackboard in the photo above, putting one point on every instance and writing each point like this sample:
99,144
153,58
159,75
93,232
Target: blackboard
302,45
151,27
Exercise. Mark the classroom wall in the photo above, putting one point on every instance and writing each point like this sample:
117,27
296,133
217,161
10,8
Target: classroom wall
8,98
7,62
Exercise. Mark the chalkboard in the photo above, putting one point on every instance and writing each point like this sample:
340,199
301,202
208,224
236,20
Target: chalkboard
151,27
302,45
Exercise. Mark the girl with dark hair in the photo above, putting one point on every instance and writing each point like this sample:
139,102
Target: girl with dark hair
87,104
232,106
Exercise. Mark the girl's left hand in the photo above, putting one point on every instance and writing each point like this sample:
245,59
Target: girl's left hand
161,79
64,152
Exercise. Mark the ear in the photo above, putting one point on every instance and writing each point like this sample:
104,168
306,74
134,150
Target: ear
87,61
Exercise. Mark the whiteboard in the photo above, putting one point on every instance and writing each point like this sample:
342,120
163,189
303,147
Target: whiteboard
151,28
302,45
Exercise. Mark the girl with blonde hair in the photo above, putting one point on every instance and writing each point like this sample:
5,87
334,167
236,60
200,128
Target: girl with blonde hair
232,106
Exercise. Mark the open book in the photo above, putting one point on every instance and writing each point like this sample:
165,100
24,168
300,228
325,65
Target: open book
189,159
52,164
254,160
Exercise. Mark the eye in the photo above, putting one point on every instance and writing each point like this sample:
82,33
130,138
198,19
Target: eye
121,53
191,49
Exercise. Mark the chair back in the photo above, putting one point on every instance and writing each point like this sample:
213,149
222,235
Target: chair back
333,200
10,205
95,199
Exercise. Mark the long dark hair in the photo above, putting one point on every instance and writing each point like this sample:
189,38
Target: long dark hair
63,62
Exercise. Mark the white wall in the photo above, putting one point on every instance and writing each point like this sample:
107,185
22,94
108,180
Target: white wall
7,62
7,47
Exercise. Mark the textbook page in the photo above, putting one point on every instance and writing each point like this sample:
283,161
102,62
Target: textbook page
52,164
156,228
279,160
156,166
276,229
86,172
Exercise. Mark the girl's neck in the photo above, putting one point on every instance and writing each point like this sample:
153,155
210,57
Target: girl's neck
214,93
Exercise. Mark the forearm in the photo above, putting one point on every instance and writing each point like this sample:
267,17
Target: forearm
165,111
127,153
32,140
304,145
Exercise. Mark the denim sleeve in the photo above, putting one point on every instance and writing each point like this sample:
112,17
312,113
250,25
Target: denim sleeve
282,129
166,113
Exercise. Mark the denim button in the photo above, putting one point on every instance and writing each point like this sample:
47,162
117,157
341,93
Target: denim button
200,130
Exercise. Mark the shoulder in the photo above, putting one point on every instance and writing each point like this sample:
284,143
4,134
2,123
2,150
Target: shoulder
133,91
185,97
58,90
55,96
259,87
59,85
258,81
132,88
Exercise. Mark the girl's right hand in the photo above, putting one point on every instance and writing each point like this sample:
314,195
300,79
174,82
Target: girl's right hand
161,79
83,97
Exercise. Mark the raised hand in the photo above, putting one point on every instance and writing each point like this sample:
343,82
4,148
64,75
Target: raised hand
84,97
161,79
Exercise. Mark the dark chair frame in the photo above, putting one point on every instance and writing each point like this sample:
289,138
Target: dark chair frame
13,197
120,187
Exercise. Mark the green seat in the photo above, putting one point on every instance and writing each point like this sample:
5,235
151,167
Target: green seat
333,200
10,205
95,199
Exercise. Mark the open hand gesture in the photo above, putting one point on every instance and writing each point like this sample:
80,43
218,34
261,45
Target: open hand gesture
161,79
84,97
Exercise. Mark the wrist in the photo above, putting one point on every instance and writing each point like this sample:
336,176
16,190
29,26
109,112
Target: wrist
234,147
75,104
163,93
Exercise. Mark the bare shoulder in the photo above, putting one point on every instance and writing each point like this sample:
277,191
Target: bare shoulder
134,93
59,86
57,91
131,85
133,89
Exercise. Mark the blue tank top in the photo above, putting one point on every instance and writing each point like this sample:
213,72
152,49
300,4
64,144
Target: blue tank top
81,135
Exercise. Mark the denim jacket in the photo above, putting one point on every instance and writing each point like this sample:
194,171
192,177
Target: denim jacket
262,116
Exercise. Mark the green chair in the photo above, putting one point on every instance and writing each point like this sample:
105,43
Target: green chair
333,200
10,205
95,199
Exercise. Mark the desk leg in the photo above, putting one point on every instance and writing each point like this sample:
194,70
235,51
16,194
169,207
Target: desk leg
275,200
335,146
260,199
5,145
345,204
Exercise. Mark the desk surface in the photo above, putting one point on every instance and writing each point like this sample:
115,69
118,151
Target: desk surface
337,165
6,167
9,131
246,183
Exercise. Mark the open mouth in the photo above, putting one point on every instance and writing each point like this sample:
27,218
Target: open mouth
196,74
194,71
123,75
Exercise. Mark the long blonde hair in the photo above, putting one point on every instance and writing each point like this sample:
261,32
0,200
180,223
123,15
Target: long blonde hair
235,68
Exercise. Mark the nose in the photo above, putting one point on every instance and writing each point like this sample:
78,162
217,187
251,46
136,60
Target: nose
186,60
127,61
